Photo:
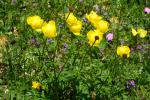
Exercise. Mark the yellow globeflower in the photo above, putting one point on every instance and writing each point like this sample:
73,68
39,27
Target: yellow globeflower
139,31
35,22
94,37
134,32
29,20
76,28
123,50
142,32
93,17
36,85
102,26
71,19
49,29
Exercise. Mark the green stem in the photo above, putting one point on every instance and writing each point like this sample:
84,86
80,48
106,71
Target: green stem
82,60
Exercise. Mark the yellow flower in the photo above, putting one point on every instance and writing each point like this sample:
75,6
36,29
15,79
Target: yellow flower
71,19
94,37
29,20
102,26
123,50
134,32
142,32
76,28
73,24
93,17
97,21
49,29
139,31
35,22
36,85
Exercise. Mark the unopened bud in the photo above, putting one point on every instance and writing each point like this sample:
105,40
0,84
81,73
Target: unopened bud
71,9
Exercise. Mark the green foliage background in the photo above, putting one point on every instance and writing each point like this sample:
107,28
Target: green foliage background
78,71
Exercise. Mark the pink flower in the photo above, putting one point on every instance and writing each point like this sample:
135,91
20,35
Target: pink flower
109,36
147,10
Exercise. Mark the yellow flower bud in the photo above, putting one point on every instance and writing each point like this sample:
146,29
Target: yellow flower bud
142,32
49,29
29,20
71,19
36,85
102,26
123,50
35,22
76,28
134,32
93,17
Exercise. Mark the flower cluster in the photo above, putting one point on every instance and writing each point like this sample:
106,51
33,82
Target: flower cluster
100,25
125,50
74,24
38,24
93,18
94,36
98,22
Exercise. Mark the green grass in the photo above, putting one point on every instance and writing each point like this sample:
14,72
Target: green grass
79,71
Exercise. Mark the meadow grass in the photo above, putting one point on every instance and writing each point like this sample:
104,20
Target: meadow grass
67,67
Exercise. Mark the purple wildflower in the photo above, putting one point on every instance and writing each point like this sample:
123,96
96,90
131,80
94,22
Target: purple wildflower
49,40
139,47
130,84
109,37
33,40
147,10
65,45
127,87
